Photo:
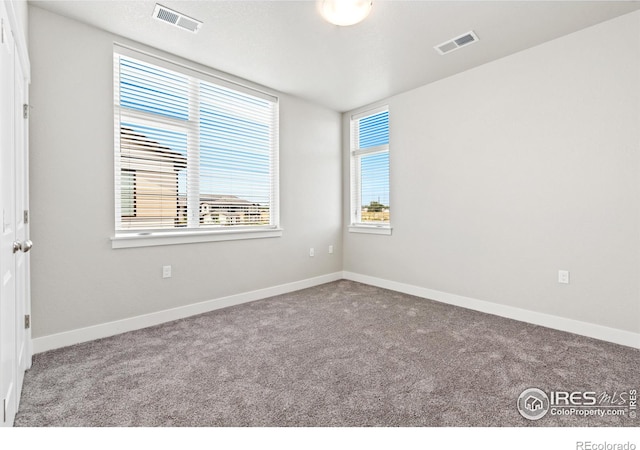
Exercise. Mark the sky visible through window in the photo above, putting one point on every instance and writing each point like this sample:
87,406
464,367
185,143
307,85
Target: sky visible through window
234,139
374,183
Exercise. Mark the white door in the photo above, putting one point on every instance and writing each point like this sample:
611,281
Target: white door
8,328
15,351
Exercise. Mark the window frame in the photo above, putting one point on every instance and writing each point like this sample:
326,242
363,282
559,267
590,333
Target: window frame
191,234
356,225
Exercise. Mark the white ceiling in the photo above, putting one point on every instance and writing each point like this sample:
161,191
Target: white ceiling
287,46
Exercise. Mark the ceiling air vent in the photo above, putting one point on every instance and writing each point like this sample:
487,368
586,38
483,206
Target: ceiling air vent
456,43
176,19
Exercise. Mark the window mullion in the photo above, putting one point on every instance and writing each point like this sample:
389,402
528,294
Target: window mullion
371,150
193,157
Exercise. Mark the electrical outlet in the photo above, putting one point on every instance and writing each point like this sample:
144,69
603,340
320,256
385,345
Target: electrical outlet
166,271
330,249
563,276
312,252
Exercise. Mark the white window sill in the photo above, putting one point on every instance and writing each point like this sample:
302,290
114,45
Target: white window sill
370,229
190,237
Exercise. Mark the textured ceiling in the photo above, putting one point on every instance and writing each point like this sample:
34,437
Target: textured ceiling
287,46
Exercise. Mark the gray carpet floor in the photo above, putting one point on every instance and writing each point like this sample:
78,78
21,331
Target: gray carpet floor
339,354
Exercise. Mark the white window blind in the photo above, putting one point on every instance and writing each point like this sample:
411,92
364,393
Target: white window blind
192,151
370,168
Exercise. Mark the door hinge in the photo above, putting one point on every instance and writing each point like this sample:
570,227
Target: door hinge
27,321
4,410
1,31
26,216
25,111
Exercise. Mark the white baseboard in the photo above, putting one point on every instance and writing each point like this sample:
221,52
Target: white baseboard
64,339
603,333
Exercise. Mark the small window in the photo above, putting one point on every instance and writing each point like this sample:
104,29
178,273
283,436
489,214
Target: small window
193,152
370,206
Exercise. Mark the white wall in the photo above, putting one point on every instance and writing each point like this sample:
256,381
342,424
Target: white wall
504,174
78,279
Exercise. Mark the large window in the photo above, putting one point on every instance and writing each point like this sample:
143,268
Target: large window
193,152
370,209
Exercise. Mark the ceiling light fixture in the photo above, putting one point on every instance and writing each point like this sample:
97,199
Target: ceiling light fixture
345,12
